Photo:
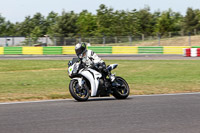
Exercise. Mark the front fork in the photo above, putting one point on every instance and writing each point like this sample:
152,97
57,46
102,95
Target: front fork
80,82
80,88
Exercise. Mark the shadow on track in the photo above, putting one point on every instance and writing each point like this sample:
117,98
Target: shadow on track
104,99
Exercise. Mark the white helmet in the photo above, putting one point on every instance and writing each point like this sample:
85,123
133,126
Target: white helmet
80,49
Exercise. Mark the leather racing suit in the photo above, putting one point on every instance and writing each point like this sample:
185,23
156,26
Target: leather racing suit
91,60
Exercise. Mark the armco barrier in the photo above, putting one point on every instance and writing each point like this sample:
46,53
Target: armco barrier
150,50
1,50
101,50
174,49
124,50
195,46
12,50
52,50
68,50
97,49
32,50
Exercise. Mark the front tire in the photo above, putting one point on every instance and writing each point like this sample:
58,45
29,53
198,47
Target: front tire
78,93
122,91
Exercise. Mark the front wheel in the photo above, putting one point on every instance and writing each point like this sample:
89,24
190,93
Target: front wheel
78,93
122,90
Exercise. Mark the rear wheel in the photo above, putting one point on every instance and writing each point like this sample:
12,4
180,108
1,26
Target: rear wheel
122,90
78,93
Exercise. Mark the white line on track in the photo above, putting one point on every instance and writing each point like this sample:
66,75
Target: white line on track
132,96
175,94
41,101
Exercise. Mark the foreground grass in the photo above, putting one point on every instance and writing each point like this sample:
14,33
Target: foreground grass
38,79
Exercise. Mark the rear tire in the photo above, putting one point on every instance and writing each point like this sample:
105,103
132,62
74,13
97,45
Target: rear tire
77,93
123,91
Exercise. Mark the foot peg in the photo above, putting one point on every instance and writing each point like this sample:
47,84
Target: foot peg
112,77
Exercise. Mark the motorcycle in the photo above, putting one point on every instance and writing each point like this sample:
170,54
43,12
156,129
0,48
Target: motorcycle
86,82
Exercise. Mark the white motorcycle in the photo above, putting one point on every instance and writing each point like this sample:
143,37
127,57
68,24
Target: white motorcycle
86,82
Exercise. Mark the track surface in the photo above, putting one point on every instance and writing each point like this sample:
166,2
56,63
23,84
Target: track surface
139,114
104,57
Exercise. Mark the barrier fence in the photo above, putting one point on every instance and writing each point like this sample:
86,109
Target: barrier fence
179,38
58,50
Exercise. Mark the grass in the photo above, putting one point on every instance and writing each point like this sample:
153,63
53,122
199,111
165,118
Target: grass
22,80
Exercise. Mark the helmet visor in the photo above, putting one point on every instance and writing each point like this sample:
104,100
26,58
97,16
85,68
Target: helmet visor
78,51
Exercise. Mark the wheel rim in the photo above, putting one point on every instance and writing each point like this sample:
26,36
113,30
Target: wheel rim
123,88
81,93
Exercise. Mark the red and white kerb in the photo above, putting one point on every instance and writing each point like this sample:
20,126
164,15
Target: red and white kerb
191,52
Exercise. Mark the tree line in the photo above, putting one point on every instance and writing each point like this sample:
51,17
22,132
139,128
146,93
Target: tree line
106,22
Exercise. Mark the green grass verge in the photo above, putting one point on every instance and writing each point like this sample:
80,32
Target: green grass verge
22,80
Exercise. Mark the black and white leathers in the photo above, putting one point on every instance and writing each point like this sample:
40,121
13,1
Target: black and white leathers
90,58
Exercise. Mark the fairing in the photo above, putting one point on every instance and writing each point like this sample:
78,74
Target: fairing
93,77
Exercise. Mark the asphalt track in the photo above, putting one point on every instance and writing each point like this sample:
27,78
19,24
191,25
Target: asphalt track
137,114
103,56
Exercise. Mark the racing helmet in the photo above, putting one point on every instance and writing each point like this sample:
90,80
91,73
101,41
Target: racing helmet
80,48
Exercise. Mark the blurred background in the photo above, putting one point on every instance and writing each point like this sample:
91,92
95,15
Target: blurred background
104,27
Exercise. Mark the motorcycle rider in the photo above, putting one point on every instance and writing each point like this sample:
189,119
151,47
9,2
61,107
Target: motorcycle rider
90,59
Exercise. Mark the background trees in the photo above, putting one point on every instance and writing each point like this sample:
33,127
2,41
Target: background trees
2,25
169,21
86,24
191,20
106,22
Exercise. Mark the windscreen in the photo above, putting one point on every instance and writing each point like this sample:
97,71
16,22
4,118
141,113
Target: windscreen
74,60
